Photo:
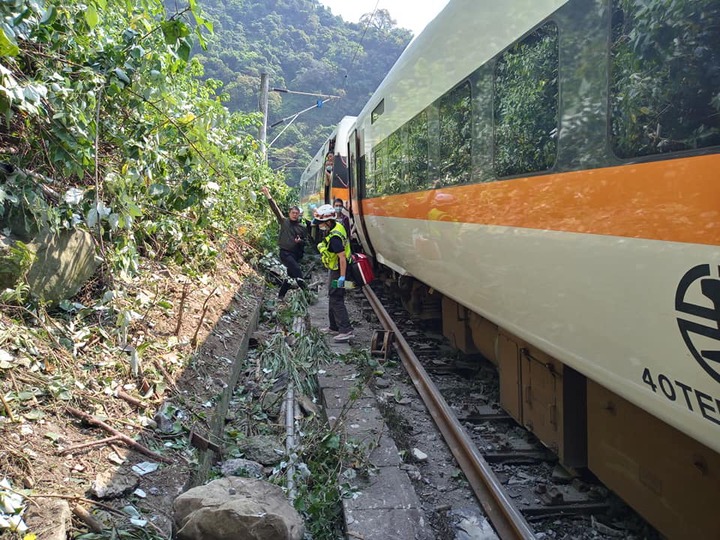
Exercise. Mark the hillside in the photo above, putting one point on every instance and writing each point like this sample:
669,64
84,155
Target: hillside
129,220
304,48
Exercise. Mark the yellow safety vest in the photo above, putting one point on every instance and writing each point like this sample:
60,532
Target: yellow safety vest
329,259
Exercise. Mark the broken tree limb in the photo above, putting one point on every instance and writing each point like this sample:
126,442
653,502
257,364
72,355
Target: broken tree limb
130,399
124,438
71,449
85,516
193,341
8,410
181,310
168,379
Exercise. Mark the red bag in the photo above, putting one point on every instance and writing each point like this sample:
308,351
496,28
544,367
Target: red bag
361,269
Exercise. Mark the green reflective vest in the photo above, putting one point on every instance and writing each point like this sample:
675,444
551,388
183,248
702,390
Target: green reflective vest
329,259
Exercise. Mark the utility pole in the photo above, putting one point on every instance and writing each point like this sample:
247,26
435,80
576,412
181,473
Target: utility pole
264,90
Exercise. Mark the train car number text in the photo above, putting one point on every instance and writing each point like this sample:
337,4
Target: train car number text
694,399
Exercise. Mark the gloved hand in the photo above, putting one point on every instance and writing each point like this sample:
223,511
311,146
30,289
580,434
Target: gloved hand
341,282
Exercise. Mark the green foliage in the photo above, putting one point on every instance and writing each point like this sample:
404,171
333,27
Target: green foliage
303,47
323,453
15,261
131,533
658,47
526,104
319,498
110,127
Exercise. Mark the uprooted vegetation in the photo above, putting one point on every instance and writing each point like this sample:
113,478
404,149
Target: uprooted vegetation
110,132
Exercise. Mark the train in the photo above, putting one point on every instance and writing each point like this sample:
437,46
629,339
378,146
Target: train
331,158
544,175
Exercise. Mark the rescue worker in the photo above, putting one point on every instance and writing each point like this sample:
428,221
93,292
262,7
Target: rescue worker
335,253
291,240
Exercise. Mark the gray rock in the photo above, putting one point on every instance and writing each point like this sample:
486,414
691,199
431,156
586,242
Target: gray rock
242,467
48,518
262,448
231,508
412,471
307,406
473,527
271,402
63,263
418,455
113,483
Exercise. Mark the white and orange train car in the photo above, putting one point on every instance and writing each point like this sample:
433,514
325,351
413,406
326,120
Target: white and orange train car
546,172
331,157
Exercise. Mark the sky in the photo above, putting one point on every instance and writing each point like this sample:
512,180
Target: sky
410,14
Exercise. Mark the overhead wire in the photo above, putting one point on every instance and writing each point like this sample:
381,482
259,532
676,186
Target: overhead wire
359,46
294,117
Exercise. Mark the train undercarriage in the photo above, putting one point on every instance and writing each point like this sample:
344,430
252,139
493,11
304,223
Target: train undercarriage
670,479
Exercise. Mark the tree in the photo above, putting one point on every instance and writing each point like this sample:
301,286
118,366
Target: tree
380,20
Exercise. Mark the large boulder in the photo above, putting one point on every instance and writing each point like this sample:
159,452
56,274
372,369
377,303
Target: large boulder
63,263
233,508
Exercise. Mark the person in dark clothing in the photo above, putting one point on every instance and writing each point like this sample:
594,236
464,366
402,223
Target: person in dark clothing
335,253
343,216
291,240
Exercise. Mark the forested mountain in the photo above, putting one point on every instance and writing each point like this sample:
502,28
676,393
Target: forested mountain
304,48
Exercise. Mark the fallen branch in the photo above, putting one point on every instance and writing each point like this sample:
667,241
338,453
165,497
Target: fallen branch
193,341
168,378
181,309
130,399
71,449
85,516
124,438
8,410
34,500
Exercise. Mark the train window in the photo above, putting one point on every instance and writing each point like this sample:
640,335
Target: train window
376,181
525,104
395,179
455,110
377,111
664,76
417,152
483,80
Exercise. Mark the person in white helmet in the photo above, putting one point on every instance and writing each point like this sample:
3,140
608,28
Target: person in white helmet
335,253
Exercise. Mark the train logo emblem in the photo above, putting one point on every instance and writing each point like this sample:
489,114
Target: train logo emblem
701,338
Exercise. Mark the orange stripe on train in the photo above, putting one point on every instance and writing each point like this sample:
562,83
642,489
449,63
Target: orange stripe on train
674,200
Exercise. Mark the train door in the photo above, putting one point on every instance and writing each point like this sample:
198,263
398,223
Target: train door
328,165
356,168
340,182
352,174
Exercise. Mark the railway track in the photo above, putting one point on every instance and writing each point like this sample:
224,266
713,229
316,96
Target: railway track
522,490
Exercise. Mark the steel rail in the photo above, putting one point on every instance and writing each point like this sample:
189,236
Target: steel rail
505,518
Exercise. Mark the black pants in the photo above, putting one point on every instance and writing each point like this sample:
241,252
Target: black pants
337,312
290,260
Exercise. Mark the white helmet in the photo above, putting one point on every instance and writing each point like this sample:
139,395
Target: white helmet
326,212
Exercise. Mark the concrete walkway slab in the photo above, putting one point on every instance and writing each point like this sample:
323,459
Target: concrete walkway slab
384,524
386,506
